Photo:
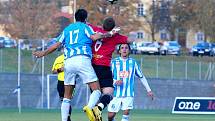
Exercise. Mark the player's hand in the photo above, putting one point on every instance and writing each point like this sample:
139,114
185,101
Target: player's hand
150,94
38,54
60,69
114,31
119,82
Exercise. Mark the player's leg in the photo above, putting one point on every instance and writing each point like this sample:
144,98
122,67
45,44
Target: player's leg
106,83
87,74
111,116
69,84
125,116
60,89
113,107
106,97
94,97
127,105
66,104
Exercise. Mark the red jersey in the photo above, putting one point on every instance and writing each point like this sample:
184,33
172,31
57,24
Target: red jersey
104,48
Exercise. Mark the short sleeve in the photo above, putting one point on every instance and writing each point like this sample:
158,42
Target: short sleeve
89,31
61,37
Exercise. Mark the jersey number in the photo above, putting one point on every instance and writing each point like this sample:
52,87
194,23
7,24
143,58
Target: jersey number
74,36
98,45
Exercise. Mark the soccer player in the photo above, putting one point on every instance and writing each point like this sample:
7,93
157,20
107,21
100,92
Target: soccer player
77,41
102,55
124,70
58,68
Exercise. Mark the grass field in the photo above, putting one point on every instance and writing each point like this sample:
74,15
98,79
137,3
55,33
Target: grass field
77,115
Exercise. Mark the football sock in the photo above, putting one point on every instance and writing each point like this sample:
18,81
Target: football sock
125,118
104,101
70,110
94,97
65,107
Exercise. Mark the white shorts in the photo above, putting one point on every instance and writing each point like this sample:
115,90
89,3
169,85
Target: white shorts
79,65
122,103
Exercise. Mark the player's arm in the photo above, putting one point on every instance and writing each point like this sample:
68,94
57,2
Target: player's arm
143,80
97,36
49,50
146,85
56,71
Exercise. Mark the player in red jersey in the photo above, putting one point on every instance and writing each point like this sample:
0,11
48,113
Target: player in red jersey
102,54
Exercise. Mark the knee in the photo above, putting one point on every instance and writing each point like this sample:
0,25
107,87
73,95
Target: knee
111,116
126,112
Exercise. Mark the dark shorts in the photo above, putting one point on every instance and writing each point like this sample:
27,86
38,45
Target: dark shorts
104,75
60,89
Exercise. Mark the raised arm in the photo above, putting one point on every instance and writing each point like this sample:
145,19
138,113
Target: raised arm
49,50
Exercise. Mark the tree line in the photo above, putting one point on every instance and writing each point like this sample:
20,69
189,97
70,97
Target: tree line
34,19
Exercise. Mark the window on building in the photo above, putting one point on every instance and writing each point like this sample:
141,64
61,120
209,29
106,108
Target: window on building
140,35
163,36
140,9
200,36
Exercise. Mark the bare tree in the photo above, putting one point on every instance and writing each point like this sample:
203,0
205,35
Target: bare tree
195,14
30,18
205,14
124,12
152,18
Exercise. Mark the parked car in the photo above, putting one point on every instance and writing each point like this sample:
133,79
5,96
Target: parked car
1,42
164,48
133,48
201,48
212,49
170,48
7,42
173,48
10,43
149,48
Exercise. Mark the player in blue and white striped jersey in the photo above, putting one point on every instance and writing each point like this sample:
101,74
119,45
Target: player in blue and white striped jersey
77,41
124,71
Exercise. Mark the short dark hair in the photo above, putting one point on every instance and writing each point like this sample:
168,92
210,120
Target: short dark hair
108,24
81,15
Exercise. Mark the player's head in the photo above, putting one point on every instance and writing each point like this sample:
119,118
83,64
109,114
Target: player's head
108,24
81,15
124,50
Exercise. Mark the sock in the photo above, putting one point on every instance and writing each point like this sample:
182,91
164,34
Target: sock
65,107
125,118
70,111
104,101
94,98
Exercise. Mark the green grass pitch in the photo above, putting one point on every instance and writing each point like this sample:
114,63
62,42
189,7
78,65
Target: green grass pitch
78,115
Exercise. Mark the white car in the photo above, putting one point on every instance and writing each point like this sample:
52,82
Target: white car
149,48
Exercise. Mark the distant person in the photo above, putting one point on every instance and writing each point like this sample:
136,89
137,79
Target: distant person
124,70
58,68
77,41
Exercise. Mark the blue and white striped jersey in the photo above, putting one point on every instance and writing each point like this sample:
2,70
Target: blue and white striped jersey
125,70
76,40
